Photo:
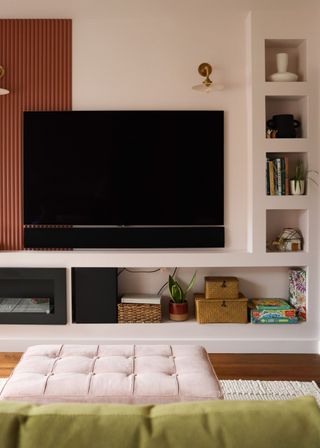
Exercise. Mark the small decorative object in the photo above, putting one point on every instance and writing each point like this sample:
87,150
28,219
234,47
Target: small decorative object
271,133
285,124
178,305
282,67
289,240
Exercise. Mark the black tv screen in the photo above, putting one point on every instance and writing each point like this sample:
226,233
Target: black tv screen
123,168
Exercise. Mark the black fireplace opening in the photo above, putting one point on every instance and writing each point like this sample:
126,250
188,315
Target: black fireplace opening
33,296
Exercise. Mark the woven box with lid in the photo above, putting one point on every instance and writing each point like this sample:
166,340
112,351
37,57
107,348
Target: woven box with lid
129,313
221,288
221,310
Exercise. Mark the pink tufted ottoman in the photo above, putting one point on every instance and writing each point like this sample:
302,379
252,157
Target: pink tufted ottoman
112,373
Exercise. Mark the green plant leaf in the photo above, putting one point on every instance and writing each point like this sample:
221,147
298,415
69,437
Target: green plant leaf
170,282
175,290
300,173
191,282
177,294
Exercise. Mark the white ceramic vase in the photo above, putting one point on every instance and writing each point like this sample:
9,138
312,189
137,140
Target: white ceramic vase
297,187
282,67
282,62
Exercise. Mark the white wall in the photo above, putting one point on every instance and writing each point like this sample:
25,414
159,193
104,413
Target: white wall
144,54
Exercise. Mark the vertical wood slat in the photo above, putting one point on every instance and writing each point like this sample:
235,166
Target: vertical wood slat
36,55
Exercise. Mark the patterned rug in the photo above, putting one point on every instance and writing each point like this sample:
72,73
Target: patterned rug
268,390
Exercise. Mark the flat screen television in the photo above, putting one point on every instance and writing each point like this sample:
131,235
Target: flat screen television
123,170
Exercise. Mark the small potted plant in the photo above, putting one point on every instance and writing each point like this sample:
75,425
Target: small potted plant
297,183
178,305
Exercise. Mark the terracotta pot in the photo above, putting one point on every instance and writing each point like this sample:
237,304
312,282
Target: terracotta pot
178,311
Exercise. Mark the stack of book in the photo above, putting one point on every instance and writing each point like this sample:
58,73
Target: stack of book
277,176
151,299
272,311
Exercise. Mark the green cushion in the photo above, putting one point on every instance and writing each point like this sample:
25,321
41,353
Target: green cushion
212,424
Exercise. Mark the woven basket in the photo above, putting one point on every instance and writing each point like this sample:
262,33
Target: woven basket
221,311
221,288
130,313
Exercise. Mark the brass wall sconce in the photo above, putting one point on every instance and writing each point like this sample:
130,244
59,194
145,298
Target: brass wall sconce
3,91
207,85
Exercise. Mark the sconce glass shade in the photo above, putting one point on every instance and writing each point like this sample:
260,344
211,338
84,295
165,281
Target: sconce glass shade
3,91
208,88
207,85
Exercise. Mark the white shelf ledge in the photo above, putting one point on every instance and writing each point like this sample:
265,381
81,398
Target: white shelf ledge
289,202
286,145
139,259
284,89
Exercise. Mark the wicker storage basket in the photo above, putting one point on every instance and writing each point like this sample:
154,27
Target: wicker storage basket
221,311
130,313
221,288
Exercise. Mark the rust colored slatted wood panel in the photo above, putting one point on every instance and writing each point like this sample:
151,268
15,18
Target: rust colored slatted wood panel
36,55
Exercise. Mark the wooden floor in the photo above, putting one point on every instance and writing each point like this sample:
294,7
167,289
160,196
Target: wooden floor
235,366
267,366
7,362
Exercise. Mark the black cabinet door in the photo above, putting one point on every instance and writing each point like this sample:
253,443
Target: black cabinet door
94,295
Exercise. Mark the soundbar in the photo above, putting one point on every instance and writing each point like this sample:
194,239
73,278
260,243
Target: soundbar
122,237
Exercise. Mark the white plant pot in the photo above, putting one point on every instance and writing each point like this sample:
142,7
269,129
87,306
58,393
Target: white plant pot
297,187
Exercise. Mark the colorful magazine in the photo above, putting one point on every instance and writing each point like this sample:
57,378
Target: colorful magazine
270,304
275,320
273,313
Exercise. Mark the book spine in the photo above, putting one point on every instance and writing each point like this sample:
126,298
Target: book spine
286,171
267,177
279,182
283,177
271,178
